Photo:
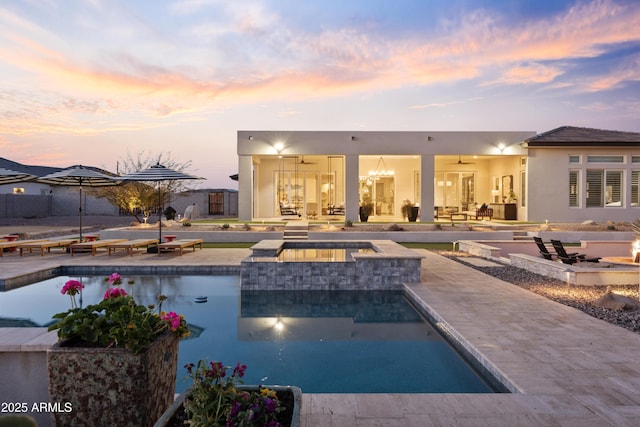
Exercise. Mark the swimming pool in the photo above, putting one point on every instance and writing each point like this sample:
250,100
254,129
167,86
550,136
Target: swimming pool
321,341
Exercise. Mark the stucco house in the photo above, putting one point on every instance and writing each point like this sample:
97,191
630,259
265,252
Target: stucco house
566,174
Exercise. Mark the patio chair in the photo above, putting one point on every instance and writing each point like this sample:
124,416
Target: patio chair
570,258
544,251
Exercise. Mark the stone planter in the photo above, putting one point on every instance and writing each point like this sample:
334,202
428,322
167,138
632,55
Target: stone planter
112,386
290,396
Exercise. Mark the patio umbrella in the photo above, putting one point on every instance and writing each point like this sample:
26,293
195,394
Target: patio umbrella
79,176
8,176
157,173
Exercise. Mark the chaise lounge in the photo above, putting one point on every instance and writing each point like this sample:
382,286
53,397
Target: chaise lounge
12,246
45,245
179,245
544,251
92,246
130,245
570,258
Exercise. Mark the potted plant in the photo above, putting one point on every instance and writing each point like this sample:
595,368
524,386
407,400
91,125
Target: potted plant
113,354
366,209
218,397
409,210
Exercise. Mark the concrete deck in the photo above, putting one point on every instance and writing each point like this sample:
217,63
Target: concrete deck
565,367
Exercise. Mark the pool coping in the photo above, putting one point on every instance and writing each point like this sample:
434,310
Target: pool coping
565,366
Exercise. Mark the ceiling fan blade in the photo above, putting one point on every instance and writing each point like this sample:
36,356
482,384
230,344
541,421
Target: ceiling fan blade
460,162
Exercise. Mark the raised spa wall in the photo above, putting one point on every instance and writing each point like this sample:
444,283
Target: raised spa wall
389,266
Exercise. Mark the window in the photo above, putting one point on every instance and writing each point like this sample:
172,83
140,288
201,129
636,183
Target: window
635,159
604,188
574,180
574,159
594,188
635,188
613,189
605,159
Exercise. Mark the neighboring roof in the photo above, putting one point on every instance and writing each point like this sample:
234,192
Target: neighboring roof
570,136
41,171
33,170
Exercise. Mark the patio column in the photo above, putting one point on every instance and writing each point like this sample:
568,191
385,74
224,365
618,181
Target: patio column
351,182
245,188
427,171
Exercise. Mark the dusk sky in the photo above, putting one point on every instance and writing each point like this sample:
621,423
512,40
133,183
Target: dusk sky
89,81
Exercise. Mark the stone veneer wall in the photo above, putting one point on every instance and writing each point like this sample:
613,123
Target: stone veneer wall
389,268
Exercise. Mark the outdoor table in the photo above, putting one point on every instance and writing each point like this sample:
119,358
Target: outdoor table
169,238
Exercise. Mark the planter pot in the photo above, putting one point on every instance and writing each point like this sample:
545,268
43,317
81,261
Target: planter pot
415,211
112,386
364,213
290,396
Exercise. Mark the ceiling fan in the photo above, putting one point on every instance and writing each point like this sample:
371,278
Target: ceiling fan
299,160
460,162
303,162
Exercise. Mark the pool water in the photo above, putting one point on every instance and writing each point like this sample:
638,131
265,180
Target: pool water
321,341
320,254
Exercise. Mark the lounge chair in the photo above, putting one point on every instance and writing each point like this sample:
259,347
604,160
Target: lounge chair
45,245
92,246
570,258
544,251
130,245
179,245
12,246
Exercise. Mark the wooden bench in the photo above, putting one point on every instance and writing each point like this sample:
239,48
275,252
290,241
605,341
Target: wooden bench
46,245
179,245
92,246
130,245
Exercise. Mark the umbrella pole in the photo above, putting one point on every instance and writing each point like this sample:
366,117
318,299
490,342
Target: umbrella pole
80,213
159,216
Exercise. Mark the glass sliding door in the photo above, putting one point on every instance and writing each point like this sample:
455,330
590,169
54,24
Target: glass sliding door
454,190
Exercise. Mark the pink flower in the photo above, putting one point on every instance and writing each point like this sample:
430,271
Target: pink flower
115,279
239,370
172,318
114,293
71,287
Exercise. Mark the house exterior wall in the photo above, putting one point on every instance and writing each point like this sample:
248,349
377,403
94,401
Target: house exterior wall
548,190
255,147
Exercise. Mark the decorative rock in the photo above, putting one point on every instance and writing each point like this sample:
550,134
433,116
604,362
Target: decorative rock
616,302
394,227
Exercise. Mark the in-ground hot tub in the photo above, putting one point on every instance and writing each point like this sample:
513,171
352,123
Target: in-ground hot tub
336,264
